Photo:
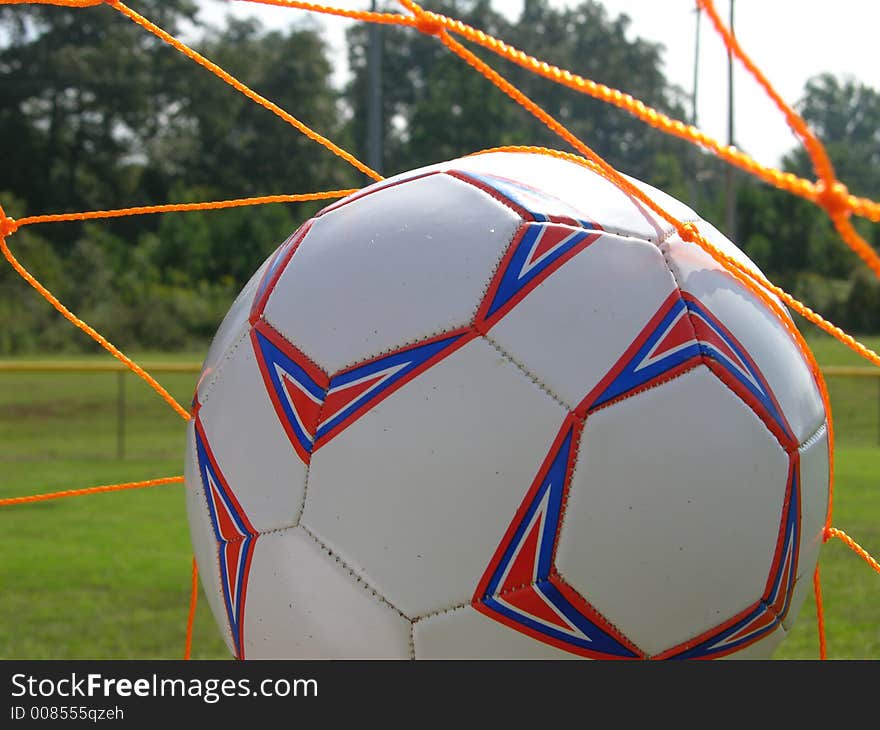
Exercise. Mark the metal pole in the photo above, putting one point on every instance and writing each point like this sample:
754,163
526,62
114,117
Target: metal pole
120,415
699,12
695,151
374,95
730,188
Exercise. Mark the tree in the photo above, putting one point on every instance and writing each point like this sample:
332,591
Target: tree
223,140
220,144
436,107
81,92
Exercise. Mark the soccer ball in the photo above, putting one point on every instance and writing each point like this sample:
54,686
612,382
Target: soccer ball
496,408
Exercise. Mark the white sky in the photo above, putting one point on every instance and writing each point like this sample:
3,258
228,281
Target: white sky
790,40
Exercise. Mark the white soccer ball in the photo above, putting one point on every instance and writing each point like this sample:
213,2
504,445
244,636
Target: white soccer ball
496,408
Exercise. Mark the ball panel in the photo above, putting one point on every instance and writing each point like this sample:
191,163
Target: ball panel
231,329
390,268
696,546
250,444
464,633
287,618
555,331
815,482
758,329
203,540
417,493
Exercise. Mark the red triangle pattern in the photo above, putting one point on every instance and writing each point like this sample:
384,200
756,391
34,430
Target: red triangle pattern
306,408
530,601
708,335
227,526
522,572
550,237
233,555
338,399
680,333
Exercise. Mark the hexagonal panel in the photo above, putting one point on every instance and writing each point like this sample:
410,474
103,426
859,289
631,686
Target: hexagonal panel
674,511
417,493
390,268
302,603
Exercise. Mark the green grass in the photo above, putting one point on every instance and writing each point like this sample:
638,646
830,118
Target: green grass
855,402
100,576
107,576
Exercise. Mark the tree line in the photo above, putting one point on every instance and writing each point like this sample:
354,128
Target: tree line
95,113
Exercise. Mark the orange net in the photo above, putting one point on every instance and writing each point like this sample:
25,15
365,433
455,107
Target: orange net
826,191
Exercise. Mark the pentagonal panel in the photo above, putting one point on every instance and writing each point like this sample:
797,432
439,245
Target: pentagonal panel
758,329
464,633
674,511
302,603
575,325
390,268
250,444
231,329
202,537
417,493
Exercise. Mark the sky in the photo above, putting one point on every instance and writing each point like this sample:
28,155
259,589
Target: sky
790,40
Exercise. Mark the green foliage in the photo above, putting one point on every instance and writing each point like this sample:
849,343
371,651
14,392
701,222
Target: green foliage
96,113
99,114
436,107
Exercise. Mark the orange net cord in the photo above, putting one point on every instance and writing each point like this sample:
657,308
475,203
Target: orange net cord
90,490
193,601
13,224
5,229
852,545
831,195
784,180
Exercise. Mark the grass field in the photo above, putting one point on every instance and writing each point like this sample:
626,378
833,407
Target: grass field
107,576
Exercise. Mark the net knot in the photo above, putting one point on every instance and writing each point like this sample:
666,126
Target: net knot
7,226
429,23
834,199
689,233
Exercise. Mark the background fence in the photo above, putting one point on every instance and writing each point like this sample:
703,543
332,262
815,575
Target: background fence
118,410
